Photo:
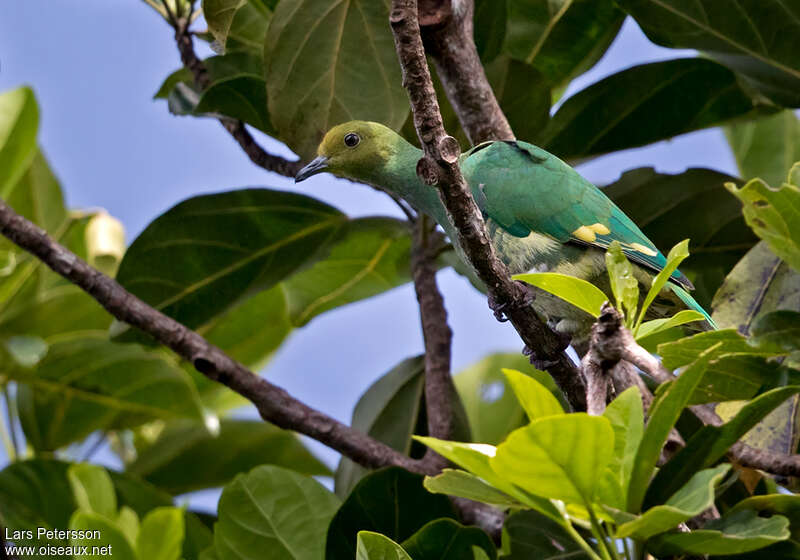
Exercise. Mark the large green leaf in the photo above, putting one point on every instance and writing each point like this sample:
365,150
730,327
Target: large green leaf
645,104
186,457
93,489
694,498
466,485
626,415
161,535
766,147
757,38
329,62
445,539
778,328
19,121
208,252
580,293
726,342
787,505
561,38
491,406
238,24
370,256
374,546
534,398
389,410
540,458
390,501
489,28
710,443
112,539
663,414
732,534
275,513
760,282
708,216
774,214
523,93
86,384
529,534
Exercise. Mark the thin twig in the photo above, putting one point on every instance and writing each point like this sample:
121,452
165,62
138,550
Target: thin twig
274,404
12,416
439,387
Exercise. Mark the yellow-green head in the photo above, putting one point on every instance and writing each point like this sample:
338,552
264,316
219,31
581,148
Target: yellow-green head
357,150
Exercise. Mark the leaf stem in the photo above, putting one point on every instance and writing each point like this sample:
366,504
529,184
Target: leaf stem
576,536
13,417
602,542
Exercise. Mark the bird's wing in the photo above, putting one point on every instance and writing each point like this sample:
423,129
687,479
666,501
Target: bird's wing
526,189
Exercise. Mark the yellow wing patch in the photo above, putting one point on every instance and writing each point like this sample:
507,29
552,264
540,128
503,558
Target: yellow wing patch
589,233
643,249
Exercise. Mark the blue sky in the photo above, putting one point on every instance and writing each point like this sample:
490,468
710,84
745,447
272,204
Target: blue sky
95,65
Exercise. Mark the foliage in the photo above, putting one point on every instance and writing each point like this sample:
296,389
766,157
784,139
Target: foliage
247,268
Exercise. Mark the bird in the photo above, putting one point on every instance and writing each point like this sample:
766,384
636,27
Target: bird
540,213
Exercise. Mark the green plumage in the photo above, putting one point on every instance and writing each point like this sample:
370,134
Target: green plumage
540,213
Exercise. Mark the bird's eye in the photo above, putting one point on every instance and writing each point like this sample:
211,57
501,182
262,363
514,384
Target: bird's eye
351,140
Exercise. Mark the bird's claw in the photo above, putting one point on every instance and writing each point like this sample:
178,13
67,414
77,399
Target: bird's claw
499,308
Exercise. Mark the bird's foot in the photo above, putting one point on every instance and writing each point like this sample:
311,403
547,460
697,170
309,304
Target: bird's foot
499,308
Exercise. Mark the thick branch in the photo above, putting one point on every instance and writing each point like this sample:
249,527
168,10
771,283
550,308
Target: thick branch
619,344
237,129
447,32
439,166
274,404
439,387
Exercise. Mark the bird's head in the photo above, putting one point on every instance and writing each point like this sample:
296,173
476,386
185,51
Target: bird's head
356,150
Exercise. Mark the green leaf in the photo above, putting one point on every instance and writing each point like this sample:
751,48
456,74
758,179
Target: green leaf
725,342
759,282
787,505
161,535
777,329
445,539
757,39
540,458
240,445
475,458
536,400
466,485
489,28
523,94
624,285
87,384
490,403
26,351
766,147
650,328
529,534
627,420
693,499
710,443
112,541
389,411
645,104
212,251
238,24
370,256
563,38
707,214
391,501
326,63
374,546
19,121
580,293
675,257
275,513
774,215
737,377
93,490
663,413
241,97
732,534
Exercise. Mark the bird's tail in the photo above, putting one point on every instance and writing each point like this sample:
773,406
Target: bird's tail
690,302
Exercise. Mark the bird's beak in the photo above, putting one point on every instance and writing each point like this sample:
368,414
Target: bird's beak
316,166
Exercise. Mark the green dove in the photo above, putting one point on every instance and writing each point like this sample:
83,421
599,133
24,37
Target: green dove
540,213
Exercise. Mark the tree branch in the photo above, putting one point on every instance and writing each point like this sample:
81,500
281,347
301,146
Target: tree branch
439,387
615,344
274,404
439,166
447,33
236,128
